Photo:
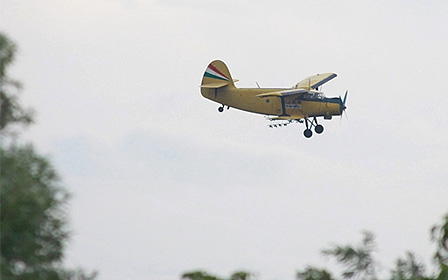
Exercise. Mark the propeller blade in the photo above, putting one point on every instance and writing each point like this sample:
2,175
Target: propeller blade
343,107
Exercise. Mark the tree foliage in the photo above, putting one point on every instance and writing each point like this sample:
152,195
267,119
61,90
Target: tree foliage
408,268
32,201
312,273
358,262
33,220
202,275
241,275
439,235
199,275
11,112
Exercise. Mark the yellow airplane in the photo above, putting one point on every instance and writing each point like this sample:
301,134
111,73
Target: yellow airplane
300,103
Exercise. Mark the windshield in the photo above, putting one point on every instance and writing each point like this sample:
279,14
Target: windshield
315,95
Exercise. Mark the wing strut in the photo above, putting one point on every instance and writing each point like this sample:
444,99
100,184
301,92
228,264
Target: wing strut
282,98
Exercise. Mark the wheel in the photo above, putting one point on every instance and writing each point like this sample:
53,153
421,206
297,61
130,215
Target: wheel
319,129
220,109
308,133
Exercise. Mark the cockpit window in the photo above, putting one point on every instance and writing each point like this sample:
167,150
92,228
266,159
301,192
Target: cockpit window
315,95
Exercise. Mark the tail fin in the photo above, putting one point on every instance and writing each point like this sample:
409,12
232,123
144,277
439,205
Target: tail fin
217,75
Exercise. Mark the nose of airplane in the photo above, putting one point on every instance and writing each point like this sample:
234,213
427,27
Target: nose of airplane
342,106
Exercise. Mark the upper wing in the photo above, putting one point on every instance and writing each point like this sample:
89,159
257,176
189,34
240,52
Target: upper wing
315,81
283,93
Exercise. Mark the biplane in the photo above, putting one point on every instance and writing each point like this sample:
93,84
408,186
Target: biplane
302,103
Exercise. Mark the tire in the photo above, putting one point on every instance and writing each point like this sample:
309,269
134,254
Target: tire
307,133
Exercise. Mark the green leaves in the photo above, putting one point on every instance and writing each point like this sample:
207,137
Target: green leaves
201,275
358,261
312,273
241,275
32,203
439,235
7,52
33,222
408,268
11,112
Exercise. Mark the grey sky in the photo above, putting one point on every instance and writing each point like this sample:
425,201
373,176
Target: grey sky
162,183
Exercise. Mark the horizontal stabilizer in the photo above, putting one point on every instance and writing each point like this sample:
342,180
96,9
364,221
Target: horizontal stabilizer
215,85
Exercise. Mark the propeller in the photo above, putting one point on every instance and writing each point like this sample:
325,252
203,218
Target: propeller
345,98
343,107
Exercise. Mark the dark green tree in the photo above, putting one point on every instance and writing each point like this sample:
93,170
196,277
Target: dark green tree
32,201
11,112
202,275
32,217
358,261
408,268
312,273
241,275
439,235
199,275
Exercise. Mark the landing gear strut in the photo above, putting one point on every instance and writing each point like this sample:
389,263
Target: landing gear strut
307,133
309,124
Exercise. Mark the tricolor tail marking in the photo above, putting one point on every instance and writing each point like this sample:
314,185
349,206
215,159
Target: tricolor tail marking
214,73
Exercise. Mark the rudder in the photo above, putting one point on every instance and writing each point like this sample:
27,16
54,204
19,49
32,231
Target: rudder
217,75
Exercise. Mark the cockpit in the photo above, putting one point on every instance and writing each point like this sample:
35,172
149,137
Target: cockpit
314,95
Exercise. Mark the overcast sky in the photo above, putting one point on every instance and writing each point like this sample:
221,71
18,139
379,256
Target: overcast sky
162,183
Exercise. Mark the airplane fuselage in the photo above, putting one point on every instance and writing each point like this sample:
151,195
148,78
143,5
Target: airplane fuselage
292,107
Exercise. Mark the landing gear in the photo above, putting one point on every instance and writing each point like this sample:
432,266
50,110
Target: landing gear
308,133
319,129
309,124
221,109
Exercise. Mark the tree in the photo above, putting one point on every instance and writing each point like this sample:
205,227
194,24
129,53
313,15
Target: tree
312,273
358,261
241,275
439,235
32,201
201,275
33,220
11,112
408,269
